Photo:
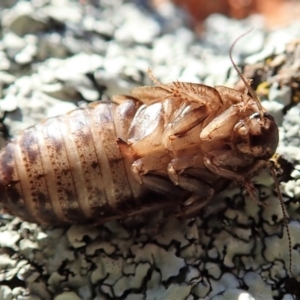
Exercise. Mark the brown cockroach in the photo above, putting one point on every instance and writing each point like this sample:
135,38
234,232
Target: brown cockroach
185,141
110,160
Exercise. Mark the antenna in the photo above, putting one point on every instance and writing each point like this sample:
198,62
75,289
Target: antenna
251,91
286,225
271,167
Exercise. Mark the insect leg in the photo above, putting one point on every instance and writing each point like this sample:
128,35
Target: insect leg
182,125
234,176
163,185
192,205
144,165
150,171
179,164
221,126
195,185
157,180
216,168
184,131
255,168
231,96
188,209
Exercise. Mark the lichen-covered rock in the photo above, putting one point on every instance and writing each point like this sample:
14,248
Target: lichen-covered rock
58,55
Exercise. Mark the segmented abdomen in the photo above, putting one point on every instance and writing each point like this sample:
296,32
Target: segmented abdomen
69,169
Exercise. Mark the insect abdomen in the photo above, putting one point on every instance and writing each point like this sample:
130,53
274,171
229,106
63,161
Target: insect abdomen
69,169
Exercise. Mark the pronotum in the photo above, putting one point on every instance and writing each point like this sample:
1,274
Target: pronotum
165,146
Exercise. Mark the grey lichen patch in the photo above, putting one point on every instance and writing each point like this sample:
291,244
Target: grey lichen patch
228,247
117,231
28,247
256,260
191,253
257,287
76,233
5,292
132,282
99,245
67,296
135,297
252,210
10,268
213,270
19,293
77,272
274,214
176,292
107,267
277,270
242,209
288,297
24,19
202,288
213,253
55,280
175,230
234,294
227,281
53,252
40,289
166,261
292,188
154,286
244,234
9,239
276,247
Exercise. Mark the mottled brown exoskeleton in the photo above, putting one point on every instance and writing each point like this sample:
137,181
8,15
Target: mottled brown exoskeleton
163,146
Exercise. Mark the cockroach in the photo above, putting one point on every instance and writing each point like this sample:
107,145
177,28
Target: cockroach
162,146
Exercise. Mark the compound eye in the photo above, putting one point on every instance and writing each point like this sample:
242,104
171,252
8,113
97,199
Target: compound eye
269,116
255,116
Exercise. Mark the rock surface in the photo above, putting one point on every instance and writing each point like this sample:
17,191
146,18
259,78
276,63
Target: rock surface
56,54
